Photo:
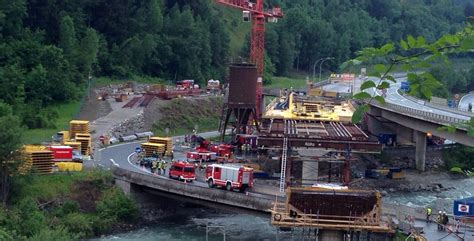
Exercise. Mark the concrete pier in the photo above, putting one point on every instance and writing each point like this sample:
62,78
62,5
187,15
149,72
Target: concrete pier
420,155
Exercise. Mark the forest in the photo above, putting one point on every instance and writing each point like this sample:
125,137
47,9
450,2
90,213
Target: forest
50,49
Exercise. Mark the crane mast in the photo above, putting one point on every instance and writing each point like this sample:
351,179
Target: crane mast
257,37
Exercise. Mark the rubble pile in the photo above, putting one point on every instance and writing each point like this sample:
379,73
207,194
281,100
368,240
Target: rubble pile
128,127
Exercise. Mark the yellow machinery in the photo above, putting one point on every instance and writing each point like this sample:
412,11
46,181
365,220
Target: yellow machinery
64,136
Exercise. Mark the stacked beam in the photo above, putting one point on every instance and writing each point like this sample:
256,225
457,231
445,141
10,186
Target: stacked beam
37,159
86,143
78,126
167,141
149,148
74,144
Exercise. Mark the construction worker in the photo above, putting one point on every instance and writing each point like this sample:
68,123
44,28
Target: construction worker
428,214
457,225
439,220
163,166
154,165
445,220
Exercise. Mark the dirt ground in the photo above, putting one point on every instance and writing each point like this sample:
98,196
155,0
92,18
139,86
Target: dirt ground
93,109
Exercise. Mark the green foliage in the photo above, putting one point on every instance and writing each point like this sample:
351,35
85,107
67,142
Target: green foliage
359,113
79,224
52,204
459,157
416,54
49,234
115,205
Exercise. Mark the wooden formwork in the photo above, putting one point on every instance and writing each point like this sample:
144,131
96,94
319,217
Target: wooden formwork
37,159
167,141
78,126
330,209
149,148
74,144
85,145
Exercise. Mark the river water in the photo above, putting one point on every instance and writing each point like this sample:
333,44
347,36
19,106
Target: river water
190,221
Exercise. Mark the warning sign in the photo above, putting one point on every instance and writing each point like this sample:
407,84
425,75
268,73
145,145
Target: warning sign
463,208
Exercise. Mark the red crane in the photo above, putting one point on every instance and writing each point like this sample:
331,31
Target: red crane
257,38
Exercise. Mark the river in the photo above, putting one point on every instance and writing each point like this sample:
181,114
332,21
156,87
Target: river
187,221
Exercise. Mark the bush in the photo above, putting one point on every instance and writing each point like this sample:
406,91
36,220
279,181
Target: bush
47,234
115,205
26,218
79,224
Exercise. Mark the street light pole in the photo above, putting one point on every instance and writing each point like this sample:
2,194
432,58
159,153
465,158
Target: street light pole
314,66
321,65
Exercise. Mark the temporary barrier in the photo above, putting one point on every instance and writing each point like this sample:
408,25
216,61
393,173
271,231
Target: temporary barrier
69,166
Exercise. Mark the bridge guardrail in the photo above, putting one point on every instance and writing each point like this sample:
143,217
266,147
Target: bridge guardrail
424,114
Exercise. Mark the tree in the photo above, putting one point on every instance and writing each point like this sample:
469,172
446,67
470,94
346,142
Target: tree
10,142
88,55
67,37
416,53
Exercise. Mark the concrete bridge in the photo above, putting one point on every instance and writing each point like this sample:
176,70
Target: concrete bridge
132,181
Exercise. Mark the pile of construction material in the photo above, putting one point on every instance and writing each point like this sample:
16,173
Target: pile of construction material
167,141
79,132
128,127
151,148
36,159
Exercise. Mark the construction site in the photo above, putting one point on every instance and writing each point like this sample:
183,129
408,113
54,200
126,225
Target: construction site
296,156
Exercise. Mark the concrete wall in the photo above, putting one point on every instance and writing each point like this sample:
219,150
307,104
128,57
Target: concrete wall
252,201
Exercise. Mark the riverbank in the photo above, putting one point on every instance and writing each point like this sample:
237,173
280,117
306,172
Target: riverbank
66,206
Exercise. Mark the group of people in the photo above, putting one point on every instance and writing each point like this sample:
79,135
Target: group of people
442,220
158,166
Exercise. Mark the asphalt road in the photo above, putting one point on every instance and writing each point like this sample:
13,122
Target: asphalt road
465,100
393,97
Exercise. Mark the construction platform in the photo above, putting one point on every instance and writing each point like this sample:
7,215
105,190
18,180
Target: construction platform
330,209
316,134
297,107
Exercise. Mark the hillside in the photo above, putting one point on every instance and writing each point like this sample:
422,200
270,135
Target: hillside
182,115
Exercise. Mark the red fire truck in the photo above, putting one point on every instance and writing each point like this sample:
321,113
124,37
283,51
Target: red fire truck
229,176
199,156
183,171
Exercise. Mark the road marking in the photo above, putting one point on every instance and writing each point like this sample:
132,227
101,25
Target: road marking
121,144
113,162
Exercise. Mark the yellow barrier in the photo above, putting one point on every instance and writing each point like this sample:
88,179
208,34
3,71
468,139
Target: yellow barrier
69,166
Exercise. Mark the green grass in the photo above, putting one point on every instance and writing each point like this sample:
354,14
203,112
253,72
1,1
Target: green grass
66,111
47,187
138,79
285,82
182,115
